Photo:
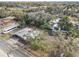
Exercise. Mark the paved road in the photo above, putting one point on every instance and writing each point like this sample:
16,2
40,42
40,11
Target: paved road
17,53
2,54
10,50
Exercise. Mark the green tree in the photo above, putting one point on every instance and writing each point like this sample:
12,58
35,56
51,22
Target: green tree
64,24
38,44
23,21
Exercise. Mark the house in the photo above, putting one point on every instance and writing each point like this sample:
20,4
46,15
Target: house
7,24
25,33
54,26
10,28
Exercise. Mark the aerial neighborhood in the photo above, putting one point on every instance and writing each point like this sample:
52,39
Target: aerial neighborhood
39,29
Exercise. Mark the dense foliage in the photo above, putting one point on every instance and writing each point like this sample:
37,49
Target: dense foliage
38,43
62,47
42,17
65,25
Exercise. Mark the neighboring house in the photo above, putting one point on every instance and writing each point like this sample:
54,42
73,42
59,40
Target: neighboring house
10,28
7,24
24,34
54,26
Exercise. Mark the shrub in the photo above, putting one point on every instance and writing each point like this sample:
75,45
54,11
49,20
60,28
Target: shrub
38,44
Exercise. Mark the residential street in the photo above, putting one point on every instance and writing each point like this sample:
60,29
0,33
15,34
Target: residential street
7,50
2,54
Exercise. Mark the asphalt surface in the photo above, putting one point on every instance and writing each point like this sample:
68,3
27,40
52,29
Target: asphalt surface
7,50
2,54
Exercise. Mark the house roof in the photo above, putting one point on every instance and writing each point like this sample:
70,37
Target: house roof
55,23
13,25
8,23
26,32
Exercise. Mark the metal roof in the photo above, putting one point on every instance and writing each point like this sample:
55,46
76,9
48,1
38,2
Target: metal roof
27,32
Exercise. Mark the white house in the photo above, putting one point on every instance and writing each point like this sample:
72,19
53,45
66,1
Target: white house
55,24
